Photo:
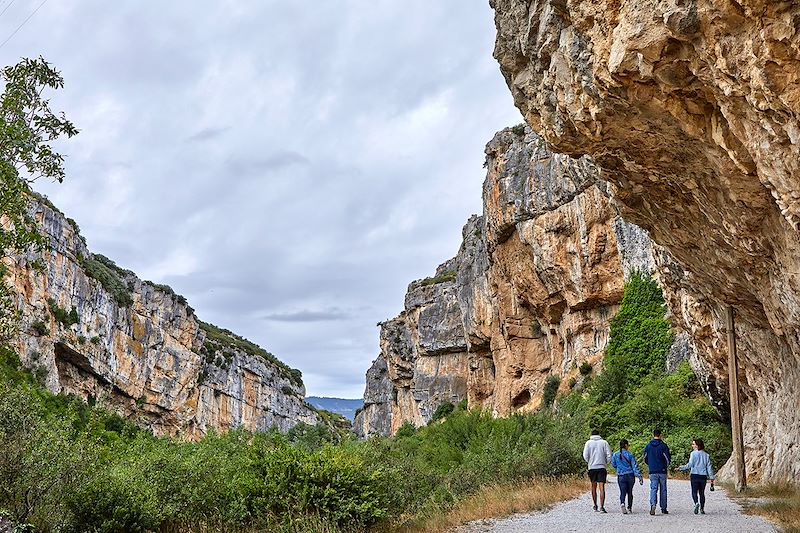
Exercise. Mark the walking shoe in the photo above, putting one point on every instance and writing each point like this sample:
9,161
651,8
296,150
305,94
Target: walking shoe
630,510
696,508
594,508
652,510
624,509
603,510
702,511
664,511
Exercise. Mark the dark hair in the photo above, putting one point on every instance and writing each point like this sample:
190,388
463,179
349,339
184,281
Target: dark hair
700,445
623,444
656,432
595,432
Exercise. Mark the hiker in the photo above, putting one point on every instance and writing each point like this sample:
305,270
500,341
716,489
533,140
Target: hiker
597,454
657,457
625,465
700,467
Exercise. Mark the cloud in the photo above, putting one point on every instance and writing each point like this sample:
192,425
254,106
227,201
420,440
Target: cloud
206,134
288,170
328,315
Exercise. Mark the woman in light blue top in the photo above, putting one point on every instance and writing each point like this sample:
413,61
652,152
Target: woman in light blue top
625,465
700,467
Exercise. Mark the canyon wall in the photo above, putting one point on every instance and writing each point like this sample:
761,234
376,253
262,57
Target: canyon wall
690,108
530,293
97,331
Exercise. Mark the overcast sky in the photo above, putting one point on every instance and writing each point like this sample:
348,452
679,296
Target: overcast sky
287,166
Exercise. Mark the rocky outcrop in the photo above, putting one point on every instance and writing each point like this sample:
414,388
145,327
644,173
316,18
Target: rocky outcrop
690,108
97,331
530,293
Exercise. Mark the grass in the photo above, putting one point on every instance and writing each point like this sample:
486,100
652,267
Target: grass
498,501
777,502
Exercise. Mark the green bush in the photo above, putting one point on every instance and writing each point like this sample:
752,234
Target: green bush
330,483
110,276
442,411
585,369
550,390
62,316
40,328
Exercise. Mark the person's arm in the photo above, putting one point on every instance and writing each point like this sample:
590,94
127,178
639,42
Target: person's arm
608,452
709,469
636,471
615,461
586,452
667,454
688,466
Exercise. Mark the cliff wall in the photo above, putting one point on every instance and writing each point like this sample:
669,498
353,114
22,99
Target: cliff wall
690,108
530,293
94,330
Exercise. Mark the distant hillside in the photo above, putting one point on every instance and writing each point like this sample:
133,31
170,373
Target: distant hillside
346,408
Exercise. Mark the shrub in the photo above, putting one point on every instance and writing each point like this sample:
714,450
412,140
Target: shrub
442,411
110,276
550,390
62,316
450,275
585,369
40,328
331,483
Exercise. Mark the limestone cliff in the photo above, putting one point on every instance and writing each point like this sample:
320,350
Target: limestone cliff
690,108
530,293
97,331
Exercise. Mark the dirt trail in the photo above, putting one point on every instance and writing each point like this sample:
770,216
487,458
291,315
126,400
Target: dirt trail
722,515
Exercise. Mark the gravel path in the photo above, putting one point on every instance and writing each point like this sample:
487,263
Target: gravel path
722,515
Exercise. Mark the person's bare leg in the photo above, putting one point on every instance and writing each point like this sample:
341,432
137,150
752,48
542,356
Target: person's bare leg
594,494
602,490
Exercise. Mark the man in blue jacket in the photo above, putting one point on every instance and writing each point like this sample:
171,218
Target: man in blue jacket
657,457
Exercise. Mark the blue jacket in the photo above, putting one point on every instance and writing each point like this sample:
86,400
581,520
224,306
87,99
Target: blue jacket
624,463
699,464
657,457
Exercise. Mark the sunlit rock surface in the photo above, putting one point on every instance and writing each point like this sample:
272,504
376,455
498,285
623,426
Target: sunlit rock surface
530,293
690,108
149,360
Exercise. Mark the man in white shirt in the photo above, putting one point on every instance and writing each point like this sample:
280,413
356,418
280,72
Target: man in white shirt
597,454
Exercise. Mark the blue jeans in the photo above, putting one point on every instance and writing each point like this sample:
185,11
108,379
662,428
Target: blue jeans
658,481
626,482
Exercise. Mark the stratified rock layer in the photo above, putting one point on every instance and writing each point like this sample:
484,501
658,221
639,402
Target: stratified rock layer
691,110
530,293
149,360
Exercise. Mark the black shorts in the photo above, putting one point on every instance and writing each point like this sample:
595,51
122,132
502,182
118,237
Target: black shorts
598,475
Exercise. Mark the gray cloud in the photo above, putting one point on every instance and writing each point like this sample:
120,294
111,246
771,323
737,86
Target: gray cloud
307,315
280,161
206,134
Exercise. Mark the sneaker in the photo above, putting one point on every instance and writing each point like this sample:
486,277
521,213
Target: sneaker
594,508
652,510
702,511
624,509
603,510
664,511
696,508
630,510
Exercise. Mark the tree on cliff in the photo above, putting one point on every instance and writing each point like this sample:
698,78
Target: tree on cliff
27,127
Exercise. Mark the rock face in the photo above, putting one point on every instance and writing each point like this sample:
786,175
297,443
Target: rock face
530,293
137,348
690,108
